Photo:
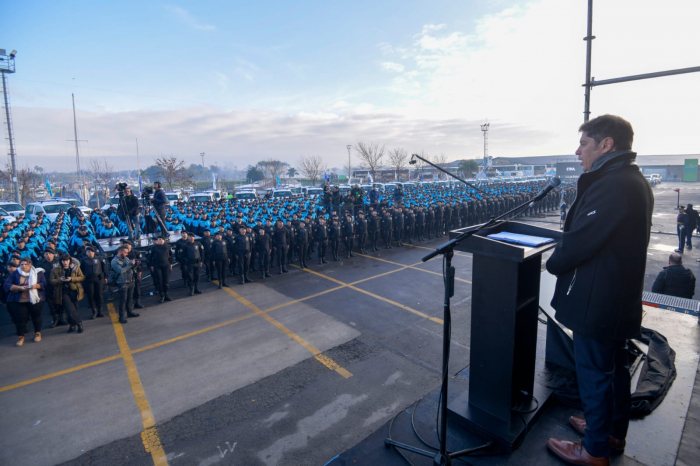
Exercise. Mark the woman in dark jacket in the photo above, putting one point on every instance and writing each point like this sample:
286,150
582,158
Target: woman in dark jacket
25,288
68,290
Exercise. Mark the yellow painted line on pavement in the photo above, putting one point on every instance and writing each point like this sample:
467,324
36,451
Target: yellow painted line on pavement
381,298
149,436
56,374
325,360
413,266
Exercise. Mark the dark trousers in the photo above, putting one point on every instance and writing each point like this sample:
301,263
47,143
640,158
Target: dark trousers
335,242
602,370
681,238
281,254
126,299
221,267
21,312
361,241
349,244
161,278
93,289
264,260
398,234
290,253
303,252
194,270
137,288
55,310
373,238
322,247
163,229
244,263
209,268
69,300
386,235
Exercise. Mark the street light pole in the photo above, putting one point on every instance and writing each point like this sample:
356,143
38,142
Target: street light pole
7,65
485,129
349,165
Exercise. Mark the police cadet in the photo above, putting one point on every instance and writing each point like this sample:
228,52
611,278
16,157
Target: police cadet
95,271
420,223
281,242
430,221
387,228
291,235
193,254
361,230
302,240
243,249
334,238
208,265
230,239
49,263
136,256
160,261
312,241
410,223
373,228
262,246
179,245
439,212
220,257
398,226
321,238
349,236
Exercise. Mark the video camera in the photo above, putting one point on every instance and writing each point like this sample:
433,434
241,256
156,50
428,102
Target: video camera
120,188
147,192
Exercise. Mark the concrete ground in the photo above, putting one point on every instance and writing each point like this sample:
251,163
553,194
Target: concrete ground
291,370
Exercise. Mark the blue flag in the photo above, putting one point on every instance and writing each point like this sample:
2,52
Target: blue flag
325,175
48,187
278,180
140,187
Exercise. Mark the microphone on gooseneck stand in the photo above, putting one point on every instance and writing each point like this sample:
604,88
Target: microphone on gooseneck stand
553,183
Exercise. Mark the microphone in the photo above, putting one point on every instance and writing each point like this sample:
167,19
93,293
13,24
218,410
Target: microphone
553,183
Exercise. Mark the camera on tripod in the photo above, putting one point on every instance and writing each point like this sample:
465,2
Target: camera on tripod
120,188
147,193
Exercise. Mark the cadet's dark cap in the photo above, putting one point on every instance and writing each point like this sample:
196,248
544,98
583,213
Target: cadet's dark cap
51,250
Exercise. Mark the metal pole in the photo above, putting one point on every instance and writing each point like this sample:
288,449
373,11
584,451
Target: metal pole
349,165
77,151
15,186
589,45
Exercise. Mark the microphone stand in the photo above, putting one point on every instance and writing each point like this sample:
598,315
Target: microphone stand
443,457
412,162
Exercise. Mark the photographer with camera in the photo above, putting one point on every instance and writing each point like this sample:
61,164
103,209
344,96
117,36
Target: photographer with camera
160,203
132,210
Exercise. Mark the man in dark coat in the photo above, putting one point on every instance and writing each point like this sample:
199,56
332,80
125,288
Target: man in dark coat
675,280
599,264
219,257
244,247
96,272
693,224
160,261
682,222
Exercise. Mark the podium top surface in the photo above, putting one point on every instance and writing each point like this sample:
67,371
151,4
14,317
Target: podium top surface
480,244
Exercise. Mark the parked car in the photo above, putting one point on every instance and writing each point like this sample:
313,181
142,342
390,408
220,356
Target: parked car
12,208
7,217
69,200
312,191
201,197
246,194
173,197
51,209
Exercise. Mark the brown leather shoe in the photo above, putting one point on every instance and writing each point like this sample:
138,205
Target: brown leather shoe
574,453
617,446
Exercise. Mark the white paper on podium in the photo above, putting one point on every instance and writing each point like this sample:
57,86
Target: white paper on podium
521,239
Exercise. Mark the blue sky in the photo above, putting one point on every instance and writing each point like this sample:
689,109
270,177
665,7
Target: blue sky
244,81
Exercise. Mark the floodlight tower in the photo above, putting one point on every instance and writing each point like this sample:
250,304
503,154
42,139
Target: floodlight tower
7,65
485,129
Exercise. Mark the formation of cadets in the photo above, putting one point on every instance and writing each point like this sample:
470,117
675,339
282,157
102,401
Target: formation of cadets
229,238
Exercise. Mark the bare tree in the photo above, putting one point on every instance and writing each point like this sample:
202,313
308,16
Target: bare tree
173,170
27,179
272,168
398,158
311,167
420,164
439,159
371,154
102,171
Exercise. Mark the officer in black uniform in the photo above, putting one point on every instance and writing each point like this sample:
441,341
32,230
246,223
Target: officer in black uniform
263,245
160,261
136,256
193,254
281,243
398,226
361,230
49,263
302,240
334,238
348,233
95,271
291,235
243,249
220,257
439,212
409,223
179,245
230,236
420,223
208,260
387,228
374,224
321,238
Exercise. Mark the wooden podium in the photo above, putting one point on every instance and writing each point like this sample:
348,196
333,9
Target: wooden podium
503,398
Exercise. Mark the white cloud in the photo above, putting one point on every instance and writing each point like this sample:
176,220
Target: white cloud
391,66
187,18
